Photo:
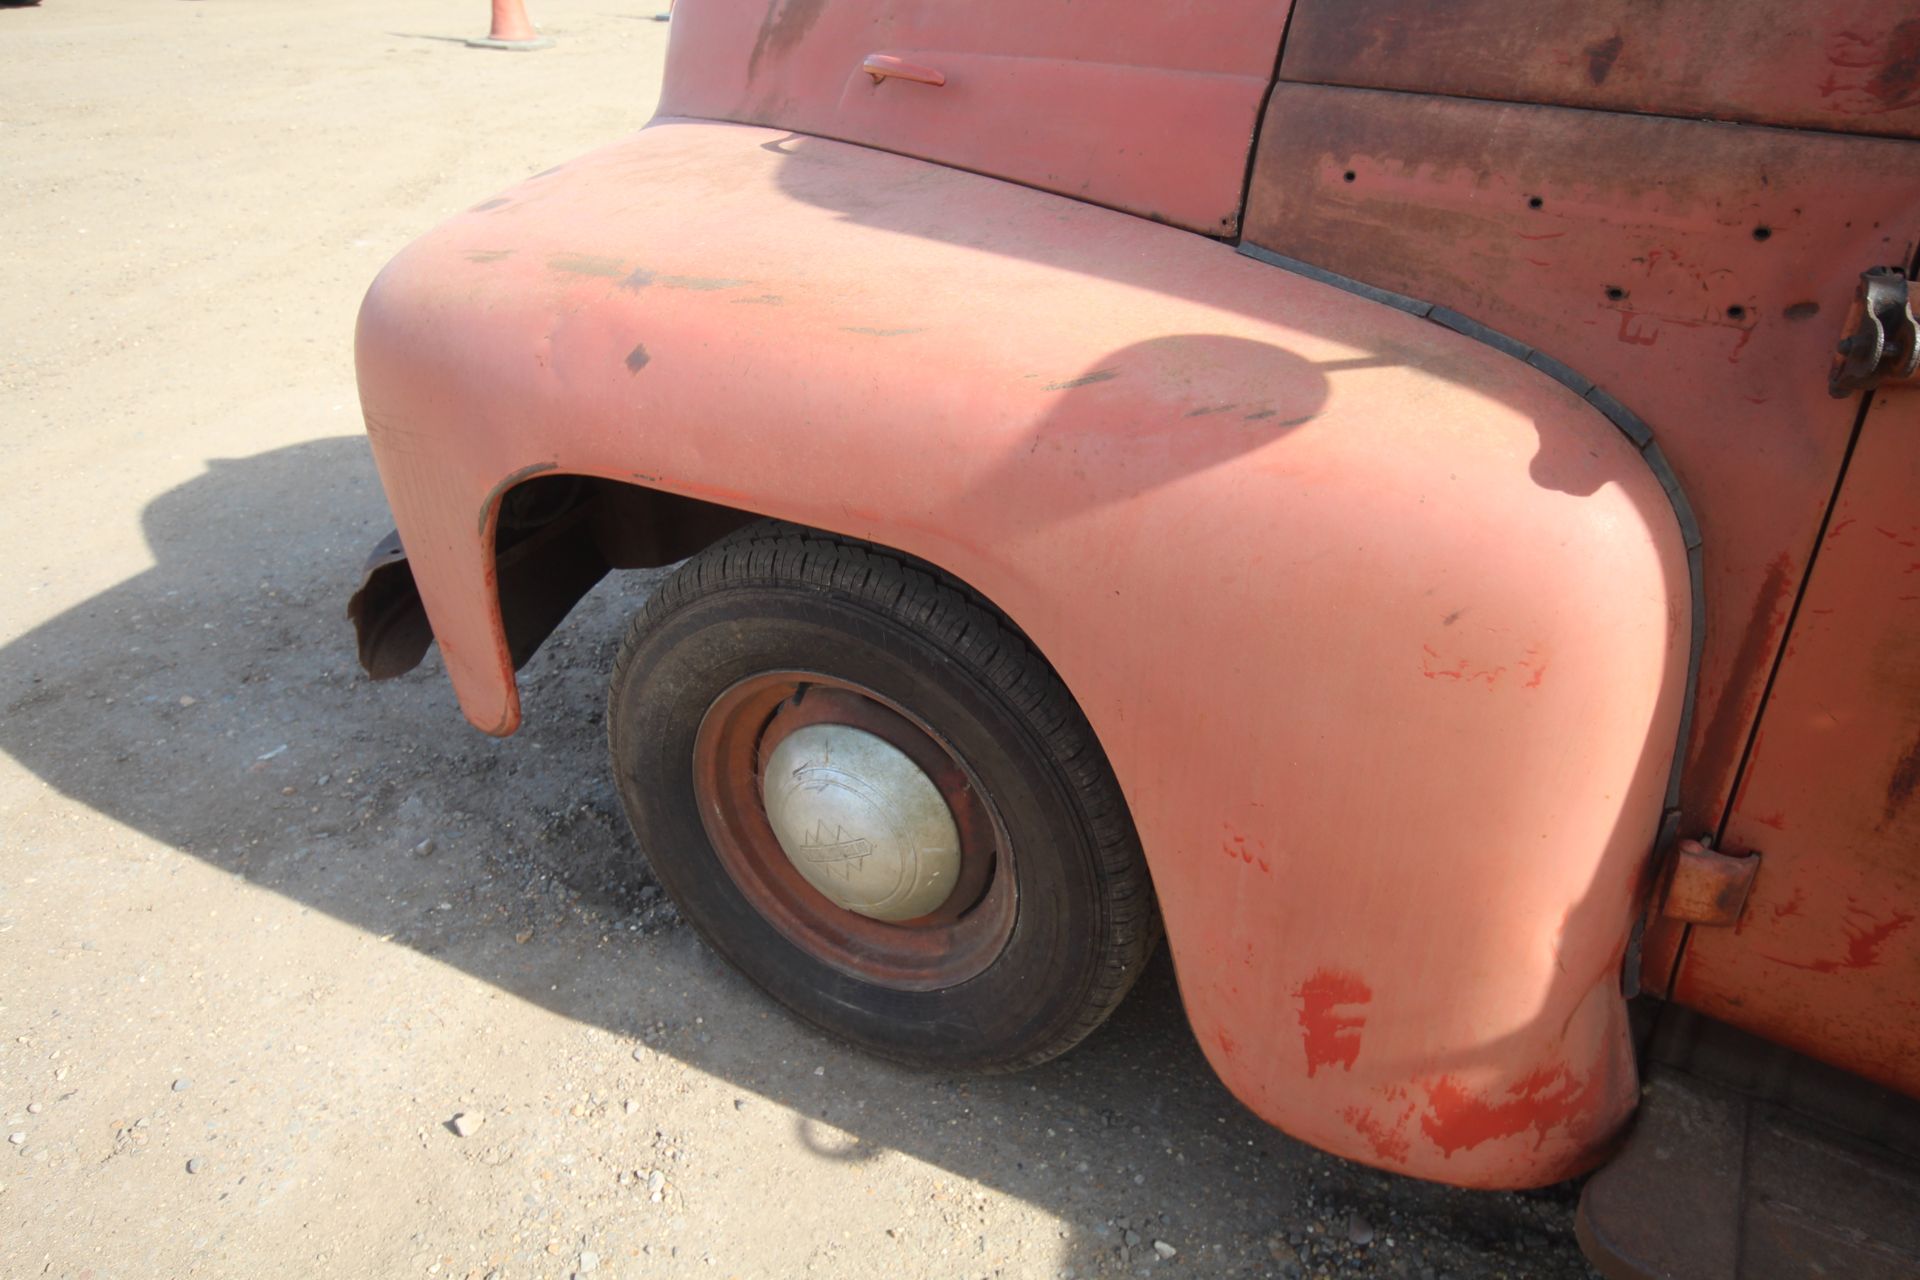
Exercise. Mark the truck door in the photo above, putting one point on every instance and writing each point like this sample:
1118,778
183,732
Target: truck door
1825,956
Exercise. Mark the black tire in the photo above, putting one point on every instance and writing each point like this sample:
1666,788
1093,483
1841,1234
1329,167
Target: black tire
778,597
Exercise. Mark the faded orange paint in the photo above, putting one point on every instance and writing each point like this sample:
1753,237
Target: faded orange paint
1827,955
1431,677
1176,95
1054,354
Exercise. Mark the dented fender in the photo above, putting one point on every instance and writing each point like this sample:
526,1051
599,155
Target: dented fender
1384,632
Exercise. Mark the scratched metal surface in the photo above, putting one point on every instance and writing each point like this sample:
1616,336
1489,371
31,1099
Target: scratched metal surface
1147,108
1826,957
1697,271
1847,65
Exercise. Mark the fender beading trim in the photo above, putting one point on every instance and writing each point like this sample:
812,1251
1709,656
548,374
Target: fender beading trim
1629,424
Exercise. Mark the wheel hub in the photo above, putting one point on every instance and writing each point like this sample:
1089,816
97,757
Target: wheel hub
861,822
853,830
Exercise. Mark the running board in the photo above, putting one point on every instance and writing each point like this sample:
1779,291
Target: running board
1714,1185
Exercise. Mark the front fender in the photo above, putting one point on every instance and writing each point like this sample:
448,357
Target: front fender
1384,632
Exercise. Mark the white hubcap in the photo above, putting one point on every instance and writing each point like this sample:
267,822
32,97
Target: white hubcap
861,821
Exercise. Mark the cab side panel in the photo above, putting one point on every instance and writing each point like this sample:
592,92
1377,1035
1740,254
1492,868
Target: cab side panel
1147,108
1850,65
1699,272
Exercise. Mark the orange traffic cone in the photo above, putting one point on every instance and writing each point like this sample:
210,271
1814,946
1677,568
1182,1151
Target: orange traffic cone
511,30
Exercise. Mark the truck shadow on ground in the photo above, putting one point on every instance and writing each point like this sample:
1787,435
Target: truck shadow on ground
213,702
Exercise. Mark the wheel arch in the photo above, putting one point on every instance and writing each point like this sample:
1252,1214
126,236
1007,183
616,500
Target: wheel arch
553,535
1384,632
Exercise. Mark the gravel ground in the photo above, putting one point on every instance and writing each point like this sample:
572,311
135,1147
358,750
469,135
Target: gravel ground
302,974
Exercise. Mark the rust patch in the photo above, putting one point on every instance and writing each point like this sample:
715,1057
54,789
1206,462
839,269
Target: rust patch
1100,375
1706,886
585,264
786,25
1331,1038
637,359
1458,1120
1601,56
1901,785
1897,83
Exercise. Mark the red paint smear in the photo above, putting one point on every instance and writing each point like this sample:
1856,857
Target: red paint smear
1778,821
1835,531
1387,1142
1863,946
1458,671
1331,1038
1638,337
1543,1101
1227,1043
1238,849
1791,907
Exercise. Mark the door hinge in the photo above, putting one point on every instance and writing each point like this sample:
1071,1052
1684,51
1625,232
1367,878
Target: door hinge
1879,342
1706,886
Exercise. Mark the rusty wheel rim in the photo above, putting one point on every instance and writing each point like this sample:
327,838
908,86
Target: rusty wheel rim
947,944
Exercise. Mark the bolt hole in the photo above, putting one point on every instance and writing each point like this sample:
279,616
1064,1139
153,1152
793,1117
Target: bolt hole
1736,312
1763,233
1347,176
1535,202
1615,293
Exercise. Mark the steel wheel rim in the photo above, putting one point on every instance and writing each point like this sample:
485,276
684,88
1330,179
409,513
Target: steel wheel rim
947,945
